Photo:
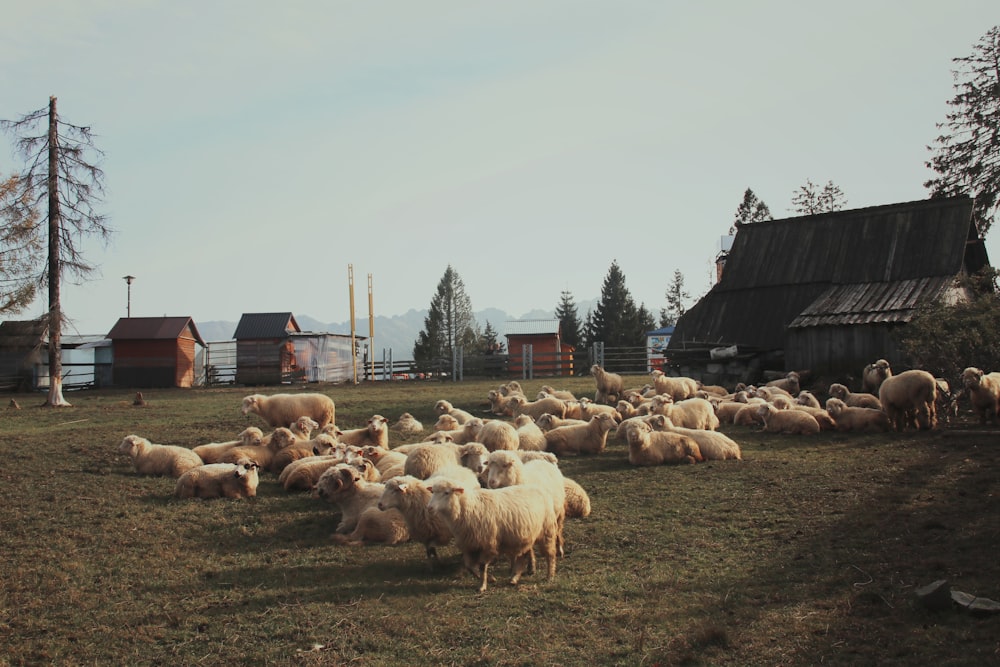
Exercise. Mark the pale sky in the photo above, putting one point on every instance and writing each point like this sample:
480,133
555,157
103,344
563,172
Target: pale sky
254,150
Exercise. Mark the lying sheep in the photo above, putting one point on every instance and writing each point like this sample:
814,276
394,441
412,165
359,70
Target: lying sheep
589,438
588,409
519,405
490,523
789,383
152,459
647,447
302,475
787,421
713,445
547,422
849,418
361,520
497,434
301,450
529,436
467,432
609,386
303,427
498,404
262,455
283,409
821,416
407,425
443,407
808,399
726,411
505,468
748,415
577,500
910,399
423,460
388,463
873,375
446,423
561,394
213,451
689,413
219,480
854,399
983,390
375,433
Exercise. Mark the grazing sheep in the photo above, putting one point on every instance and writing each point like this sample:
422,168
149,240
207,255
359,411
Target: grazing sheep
808,399
984,393
443,407
589,438
529,436
505,468
787,421
910,398
873,375
219,480
489,523
647,447
213,451
713,445
425,459
610,386
577,500
151,459
547,422
519,405
262,455
854,400
284,409
497,434
789,383
849,418
689,413
407,425
679,388
361,520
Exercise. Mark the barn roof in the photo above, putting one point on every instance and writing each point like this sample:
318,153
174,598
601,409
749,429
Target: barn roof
154,328
848,267
22,334
531,327
265,325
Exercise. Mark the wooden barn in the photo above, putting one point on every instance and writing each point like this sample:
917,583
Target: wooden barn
265,352
22,347
155,351
548,356
825,292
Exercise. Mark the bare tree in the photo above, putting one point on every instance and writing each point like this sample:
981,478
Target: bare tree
809,200
62,178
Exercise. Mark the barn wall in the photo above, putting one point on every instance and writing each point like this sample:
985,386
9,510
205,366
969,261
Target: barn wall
546,355
145,363
258,361
185,364
841,350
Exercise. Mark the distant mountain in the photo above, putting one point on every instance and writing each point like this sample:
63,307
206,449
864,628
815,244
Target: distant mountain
397,333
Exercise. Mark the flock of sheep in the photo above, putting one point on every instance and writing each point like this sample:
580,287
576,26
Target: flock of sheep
493,486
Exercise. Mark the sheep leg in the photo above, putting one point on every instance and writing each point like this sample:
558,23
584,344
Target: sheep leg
517,567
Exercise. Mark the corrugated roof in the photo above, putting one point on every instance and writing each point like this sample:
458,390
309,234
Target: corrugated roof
154,328
266,325
531,327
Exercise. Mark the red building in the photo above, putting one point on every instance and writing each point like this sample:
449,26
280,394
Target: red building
534,347
154,351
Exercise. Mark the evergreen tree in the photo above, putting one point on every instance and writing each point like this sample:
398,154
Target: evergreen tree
967,155
449,324
749,211
569,320
20,249
808,200
616,321
676,295
490,342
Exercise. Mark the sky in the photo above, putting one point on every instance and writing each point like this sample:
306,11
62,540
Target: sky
254,151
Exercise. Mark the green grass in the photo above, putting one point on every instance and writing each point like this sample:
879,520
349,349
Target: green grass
807,552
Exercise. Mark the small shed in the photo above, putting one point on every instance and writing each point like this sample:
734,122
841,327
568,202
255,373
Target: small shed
22,346
536,346
154,351
265,352
656,347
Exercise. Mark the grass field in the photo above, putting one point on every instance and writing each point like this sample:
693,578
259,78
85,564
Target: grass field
805,553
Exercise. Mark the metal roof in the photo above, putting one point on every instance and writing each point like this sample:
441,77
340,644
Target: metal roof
531,327
155,328
266,325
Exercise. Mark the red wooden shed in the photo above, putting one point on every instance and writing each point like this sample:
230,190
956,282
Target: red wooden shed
154,351
548,356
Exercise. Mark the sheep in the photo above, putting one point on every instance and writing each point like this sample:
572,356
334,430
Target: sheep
849,418
822,417
283,409
574,409
808,399
689,413
361,521
443,407
423,460
519,405
577,500
626,410
376,433
219,480
388,463
910,398
303,474
589,438
748,415
489,523
505,468
588,409
152,459
609,385
407,425
726,411
789,383
984,393
446,423
497,434
262,455
213,451
873,375
679,388
529,436
498,404
713,445
467,432
713,390
547,422
561,394
303,427
787,421
854,400
512,388
647,447
301,450
947,401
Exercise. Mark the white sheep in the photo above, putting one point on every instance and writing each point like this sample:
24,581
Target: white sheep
529,436
303,427
647,447
910,399
822,417
361,520
789,383
505,468
610,386
519,405
849,418
726,410
589,408
152,459
425,459
547,422
262,455
388,463
301,450
589,438
873,375
679,388
984,393
713,445
854,399
219,480
375,432
407,424
497,434
561,394
689,413
284,409
498,404
808,399
489,523
577,500
467,432
213,451
302,474
443,407
787,421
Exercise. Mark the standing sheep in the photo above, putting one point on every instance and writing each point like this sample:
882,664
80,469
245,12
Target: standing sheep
910,398
284,409
679,388
151,459
873,375
610,386
984,393
505,468
219,480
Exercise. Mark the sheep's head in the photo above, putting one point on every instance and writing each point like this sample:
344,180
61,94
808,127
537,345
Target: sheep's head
605,421
131,444
835,406
337,480
499,467
440,437
443,407
372,453
474,456
805,398
838,391
443,493
324,444
252,404
377,424
281,438
971,377
303,427
251,437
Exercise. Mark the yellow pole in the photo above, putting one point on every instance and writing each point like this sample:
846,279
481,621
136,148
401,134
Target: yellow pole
354,356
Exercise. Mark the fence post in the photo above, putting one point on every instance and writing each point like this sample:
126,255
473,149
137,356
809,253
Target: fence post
527,361
598,352
457,359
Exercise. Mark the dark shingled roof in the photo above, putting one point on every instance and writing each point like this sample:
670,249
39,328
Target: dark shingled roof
848,267
255,326
154,328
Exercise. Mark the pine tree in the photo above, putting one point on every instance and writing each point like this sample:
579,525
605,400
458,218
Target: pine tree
449,324
569,320
616,321
490,341
20,248
807,200
749,211
676,295
967,155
